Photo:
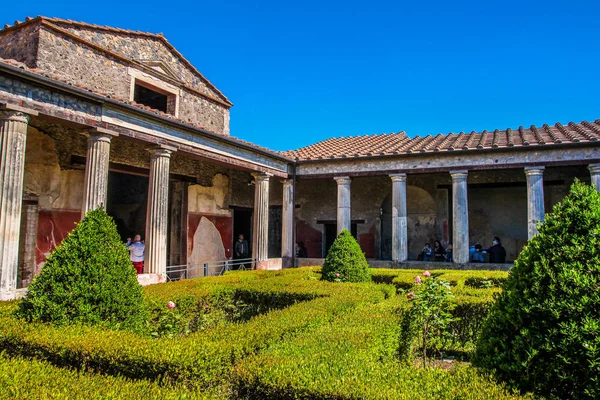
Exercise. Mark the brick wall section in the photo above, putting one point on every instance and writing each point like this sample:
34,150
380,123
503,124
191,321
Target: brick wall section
20,44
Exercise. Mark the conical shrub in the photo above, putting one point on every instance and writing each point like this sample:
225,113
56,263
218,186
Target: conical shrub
88,279
543,331
345,261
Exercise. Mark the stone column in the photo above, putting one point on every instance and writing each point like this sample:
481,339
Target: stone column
287,224
595,175
13,137
399,217
535,199
96,169
344,214
260,232
460,216
157,214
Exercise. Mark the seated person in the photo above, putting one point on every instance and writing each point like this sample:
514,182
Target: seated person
448,257
426,254
477,255
439,253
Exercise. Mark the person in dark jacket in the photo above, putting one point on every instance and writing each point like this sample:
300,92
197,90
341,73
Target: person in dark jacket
439,253
241,251
301,251
497,252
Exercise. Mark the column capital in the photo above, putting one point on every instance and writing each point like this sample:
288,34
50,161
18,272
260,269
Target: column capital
594,169
343,180
261,176
459,175
16,113
534,171
161,150
99,134
287,182
398,177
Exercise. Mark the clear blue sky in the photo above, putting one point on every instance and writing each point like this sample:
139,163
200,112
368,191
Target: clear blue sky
302,71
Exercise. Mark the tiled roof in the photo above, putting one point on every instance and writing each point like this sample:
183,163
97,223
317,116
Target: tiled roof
163,115
399,143
52,21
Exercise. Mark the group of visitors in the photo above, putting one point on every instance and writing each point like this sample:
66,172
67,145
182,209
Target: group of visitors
496,253
437,253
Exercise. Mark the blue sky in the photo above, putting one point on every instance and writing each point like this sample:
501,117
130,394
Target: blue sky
300,72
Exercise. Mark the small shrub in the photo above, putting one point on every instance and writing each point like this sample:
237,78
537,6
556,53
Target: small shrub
345,261
88,279
428,318
543,331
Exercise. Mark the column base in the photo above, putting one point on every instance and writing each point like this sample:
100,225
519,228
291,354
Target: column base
286,262
150,279
6,295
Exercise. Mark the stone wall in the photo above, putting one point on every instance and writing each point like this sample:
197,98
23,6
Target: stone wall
20,44
85,66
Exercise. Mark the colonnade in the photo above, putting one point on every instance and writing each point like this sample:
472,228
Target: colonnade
460,209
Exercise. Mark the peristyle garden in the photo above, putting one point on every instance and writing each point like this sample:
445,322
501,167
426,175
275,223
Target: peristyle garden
344,331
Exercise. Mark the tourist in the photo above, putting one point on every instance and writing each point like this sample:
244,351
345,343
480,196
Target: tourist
439,253
477,255
426,253
496,252
241,251
448,256
136,253
301,251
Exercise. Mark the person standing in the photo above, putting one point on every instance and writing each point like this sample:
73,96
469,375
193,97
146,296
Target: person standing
241,250
136,253
497,252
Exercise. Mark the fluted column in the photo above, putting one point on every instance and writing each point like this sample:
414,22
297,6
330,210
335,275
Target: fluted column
287,224
96,169
157,214
260,234
344,213
595,175
13,137
399,216
460,216
535,199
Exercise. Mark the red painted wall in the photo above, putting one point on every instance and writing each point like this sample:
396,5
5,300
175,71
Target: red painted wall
367,242
312,238
53,227
224,225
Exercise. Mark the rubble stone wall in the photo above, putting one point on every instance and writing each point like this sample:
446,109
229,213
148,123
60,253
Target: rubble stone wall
20,44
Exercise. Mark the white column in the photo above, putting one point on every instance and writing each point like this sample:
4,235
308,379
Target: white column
535,199
595,175
157,214
13,137
96,169
460,216
399,217
344,214
287,224
260,233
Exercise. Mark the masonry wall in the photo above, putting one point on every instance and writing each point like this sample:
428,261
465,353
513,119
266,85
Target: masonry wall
85,66
20,44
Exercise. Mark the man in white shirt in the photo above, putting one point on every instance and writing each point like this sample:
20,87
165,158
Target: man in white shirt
136,252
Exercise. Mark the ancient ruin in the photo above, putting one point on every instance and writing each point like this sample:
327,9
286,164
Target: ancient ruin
96,116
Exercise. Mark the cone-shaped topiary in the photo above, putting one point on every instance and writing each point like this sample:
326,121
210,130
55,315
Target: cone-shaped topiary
543,332
345,261
88,279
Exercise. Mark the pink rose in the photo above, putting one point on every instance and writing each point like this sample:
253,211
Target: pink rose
206,307
337,275
171,304
410,295
426,273
418,280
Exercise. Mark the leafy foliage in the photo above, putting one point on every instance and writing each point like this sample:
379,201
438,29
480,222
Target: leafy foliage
345,261
88,279
428,318
543,331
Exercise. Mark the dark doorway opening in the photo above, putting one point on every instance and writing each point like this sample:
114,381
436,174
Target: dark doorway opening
275,232
150,98
127,202
331,234
242,225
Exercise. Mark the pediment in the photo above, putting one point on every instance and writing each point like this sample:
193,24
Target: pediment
160,67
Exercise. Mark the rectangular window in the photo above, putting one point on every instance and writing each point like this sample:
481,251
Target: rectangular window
153,97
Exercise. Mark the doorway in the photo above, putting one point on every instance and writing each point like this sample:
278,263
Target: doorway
242,225
127,202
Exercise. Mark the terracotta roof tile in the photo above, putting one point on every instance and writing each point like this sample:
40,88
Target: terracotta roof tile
399,143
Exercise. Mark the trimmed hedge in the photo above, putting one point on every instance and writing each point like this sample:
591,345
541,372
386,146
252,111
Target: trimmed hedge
345,261
33,379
